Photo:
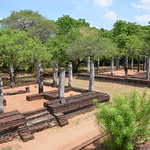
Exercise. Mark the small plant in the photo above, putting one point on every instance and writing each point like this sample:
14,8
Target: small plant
126,120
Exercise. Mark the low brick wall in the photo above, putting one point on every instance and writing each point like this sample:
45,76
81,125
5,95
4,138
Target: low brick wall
117,79
75,103
13,124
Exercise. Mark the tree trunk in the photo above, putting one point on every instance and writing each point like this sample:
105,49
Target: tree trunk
138,68
98,64
132,61
148,67
112,66
126,65
117,62
88,64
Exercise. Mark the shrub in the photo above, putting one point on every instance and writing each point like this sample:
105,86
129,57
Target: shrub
125,120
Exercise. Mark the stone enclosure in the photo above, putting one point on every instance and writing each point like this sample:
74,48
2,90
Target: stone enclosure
55,110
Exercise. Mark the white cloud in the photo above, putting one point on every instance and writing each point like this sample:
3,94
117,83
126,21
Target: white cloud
143,19
103,3
111,15
144,4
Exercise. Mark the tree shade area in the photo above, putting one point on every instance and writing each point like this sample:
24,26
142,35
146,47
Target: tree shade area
26,38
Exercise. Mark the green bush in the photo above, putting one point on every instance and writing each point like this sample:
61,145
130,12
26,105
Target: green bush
125,120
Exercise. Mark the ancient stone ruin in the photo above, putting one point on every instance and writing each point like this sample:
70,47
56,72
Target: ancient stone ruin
55,111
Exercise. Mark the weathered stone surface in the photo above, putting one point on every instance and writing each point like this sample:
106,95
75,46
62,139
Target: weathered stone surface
61,83
61,119
12,76
70,74
88,64
126,65
75,102
148,67
112,66
55,74
10,123
1,96
92,74
40,78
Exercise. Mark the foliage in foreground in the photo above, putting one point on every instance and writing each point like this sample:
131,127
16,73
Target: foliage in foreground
125,120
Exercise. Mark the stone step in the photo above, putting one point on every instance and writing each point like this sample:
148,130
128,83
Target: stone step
40,120
26,114
35,116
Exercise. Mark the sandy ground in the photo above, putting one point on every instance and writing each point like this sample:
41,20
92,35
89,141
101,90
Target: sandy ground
19,102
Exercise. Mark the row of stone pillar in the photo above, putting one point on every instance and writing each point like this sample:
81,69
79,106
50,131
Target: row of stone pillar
145,67
62,78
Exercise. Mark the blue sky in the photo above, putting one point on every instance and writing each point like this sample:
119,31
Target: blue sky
99,13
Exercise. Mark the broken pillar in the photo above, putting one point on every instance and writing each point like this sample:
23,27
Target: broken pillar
1,96
92,74
70,74
126,65
40,78
61,89
55,73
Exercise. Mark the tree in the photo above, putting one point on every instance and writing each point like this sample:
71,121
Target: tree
67,24
32,21
17,48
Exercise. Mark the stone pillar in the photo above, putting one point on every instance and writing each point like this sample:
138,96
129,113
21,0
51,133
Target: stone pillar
70,74
132,60
98,64
61,89
92,74
88,64
1,96
117,62
40,78
55,73
138,68
12,76
112,65
126,65
145,64
148,67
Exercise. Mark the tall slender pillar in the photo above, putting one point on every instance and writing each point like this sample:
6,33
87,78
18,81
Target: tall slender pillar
98,64
92,74
148,67
126,65
88,64
70,74
138,68
12,76
112,65
1,96
55,73
40,78
61,89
